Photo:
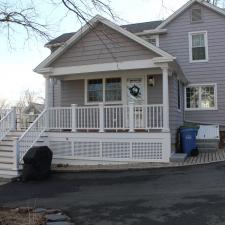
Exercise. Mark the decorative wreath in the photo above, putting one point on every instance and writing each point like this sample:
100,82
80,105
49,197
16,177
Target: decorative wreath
135,90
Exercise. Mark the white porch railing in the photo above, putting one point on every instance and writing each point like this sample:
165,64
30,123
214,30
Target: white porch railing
101,118
31,135
7,123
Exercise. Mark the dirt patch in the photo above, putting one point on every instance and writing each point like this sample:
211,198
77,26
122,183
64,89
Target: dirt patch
20,217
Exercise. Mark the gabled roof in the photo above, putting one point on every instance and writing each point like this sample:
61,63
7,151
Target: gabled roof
133,28
140,27
186,6
86,28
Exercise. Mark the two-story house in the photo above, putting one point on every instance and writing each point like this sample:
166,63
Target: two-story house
119,93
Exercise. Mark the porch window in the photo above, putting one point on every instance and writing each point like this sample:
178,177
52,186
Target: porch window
113,89
198,47
104,90
95,90
201,97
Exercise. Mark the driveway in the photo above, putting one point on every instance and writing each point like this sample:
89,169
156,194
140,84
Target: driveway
176,196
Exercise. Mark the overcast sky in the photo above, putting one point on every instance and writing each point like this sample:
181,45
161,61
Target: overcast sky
17,64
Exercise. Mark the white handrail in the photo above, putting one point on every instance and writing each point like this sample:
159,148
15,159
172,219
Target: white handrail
7,123
31,135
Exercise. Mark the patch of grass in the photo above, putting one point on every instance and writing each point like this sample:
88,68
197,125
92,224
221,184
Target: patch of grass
17,217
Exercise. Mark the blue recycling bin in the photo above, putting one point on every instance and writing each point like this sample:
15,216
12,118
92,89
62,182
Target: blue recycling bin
188,139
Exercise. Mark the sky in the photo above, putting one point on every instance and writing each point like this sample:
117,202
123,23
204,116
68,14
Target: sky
18,58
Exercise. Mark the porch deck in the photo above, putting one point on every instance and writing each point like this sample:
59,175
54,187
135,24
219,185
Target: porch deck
201,159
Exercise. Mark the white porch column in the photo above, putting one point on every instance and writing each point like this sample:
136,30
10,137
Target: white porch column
74,117
165,98
47,86
101,117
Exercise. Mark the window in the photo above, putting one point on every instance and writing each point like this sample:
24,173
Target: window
95,90
196,15
198,47
178,95
153,39
201,97
112,89
104,90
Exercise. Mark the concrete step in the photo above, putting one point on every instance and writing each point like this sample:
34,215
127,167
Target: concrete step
6,166
15,133
8,173
207,150
6,148
6,160
6,154
7,142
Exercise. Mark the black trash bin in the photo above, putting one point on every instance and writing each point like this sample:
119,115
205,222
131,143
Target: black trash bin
37,163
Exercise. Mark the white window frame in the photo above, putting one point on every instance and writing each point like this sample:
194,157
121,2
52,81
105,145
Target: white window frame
156,36
201,109
190,34
103,91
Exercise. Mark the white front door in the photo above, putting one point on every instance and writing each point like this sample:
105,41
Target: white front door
135,91
136,96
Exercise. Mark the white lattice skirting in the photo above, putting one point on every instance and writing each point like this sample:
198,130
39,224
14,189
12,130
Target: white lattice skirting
111,147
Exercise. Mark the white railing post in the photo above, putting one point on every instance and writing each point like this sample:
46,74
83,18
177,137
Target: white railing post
74,117
13,125
131,117
165,98
15,155
101,117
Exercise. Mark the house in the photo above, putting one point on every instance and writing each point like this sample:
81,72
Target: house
118,94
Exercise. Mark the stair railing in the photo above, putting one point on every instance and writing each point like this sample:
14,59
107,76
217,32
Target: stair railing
8,123
31,135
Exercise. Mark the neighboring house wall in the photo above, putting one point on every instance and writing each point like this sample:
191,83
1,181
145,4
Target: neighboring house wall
103,45
176,43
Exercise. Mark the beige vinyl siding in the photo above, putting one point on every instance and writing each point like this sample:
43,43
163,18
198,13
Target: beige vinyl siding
72,92
103,45
176,43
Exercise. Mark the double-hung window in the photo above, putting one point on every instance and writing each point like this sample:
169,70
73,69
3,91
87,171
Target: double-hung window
198,46
201,97
103,90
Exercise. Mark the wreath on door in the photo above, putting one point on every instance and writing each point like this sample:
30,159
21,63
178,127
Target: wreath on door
134,90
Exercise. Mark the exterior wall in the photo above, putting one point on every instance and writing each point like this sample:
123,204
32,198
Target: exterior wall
72,92
103,45
176,116
176,43
154,94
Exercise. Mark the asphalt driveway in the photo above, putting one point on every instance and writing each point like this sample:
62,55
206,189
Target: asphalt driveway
177,196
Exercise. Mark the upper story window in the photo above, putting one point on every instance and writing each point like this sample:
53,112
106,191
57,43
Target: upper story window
201,97
103,90
198,46
153,39
196,15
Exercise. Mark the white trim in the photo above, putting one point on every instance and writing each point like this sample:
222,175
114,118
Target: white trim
202,109
190,34
78,35
151,36
186,6
160,31
127,65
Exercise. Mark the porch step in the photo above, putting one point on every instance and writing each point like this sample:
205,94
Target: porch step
208,145
6,154
8,148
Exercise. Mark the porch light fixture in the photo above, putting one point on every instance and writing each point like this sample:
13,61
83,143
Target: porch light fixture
151,81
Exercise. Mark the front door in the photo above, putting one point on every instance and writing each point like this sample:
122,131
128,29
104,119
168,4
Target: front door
136,96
